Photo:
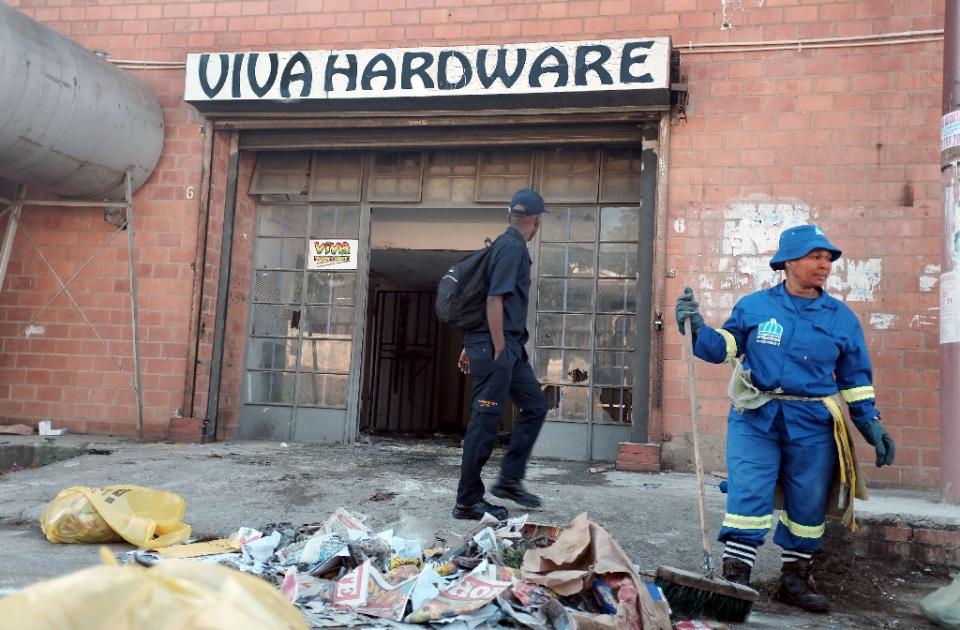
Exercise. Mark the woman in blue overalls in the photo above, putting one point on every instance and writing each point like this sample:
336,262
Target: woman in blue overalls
800,345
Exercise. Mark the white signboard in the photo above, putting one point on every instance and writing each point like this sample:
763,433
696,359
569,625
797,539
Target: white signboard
949,308
332,254
551,67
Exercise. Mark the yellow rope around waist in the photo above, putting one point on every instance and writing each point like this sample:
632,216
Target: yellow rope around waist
848,484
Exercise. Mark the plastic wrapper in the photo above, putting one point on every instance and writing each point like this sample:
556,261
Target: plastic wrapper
142,516
943,605
174,595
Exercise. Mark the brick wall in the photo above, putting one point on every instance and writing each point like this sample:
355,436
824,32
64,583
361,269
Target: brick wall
845,137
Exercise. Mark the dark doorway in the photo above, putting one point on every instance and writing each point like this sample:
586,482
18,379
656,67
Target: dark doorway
411,385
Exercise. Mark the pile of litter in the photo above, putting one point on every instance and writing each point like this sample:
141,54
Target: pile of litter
340,573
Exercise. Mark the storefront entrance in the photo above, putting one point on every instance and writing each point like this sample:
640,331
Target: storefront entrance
350,244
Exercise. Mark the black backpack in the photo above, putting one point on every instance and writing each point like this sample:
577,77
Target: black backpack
462,291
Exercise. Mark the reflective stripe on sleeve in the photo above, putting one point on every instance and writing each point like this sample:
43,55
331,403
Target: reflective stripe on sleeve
856,394
738,521
802,531
731,344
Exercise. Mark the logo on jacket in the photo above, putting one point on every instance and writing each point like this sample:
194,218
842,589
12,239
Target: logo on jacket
770,332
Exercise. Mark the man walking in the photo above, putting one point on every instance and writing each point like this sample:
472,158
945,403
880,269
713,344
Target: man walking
495,355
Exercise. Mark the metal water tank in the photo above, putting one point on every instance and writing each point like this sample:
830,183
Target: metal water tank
70,122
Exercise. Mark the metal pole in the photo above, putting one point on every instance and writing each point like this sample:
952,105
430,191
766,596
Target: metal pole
131,237
12,224
950,261
199,272
223,291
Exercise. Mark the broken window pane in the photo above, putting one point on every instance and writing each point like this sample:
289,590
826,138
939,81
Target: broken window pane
613,405
566,402
563,366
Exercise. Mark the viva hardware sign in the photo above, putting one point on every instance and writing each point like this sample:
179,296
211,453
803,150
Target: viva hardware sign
606,65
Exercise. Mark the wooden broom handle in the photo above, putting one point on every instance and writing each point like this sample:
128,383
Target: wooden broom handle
698,462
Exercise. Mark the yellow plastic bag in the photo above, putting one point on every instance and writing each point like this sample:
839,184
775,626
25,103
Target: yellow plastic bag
173,595
144,517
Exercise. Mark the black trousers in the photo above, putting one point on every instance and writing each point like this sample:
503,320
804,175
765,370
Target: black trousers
493,381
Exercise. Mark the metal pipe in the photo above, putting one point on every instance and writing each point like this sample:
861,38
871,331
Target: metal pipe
645,312
12,223
950,261
199,268
134,311
71,123
223,291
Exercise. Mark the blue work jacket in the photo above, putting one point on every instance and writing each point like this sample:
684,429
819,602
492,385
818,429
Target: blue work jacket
815,350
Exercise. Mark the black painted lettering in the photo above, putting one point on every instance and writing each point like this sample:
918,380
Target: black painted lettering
583,66
305,76
235,82
209,90
388,72
631,57
500,71
560,68
258,89
442,81
332,70
408,70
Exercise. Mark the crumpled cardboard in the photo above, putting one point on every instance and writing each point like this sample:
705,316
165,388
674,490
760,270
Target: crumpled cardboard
585,549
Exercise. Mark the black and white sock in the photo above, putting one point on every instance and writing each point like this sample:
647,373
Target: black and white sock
788,556
739,551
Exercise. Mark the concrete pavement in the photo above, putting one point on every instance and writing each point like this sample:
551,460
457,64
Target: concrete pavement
233,484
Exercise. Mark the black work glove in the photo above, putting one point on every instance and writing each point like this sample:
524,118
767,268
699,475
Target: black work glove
874,433
687,308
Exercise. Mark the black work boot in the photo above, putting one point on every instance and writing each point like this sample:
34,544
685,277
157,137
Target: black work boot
512,489
476,511
736,571
795,588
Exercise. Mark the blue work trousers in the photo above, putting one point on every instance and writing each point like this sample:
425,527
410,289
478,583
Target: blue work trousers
756,460
493,381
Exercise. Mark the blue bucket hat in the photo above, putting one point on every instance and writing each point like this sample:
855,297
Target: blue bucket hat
797,242
526,202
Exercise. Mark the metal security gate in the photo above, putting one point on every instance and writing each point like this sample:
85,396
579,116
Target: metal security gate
404,392
589,315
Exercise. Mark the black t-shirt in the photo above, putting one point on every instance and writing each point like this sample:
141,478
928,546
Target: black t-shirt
509,276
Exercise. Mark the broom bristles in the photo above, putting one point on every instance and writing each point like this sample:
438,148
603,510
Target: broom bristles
692,595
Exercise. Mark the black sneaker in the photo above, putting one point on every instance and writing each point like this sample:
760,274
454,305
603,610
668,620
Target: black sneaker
512,489
476,511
